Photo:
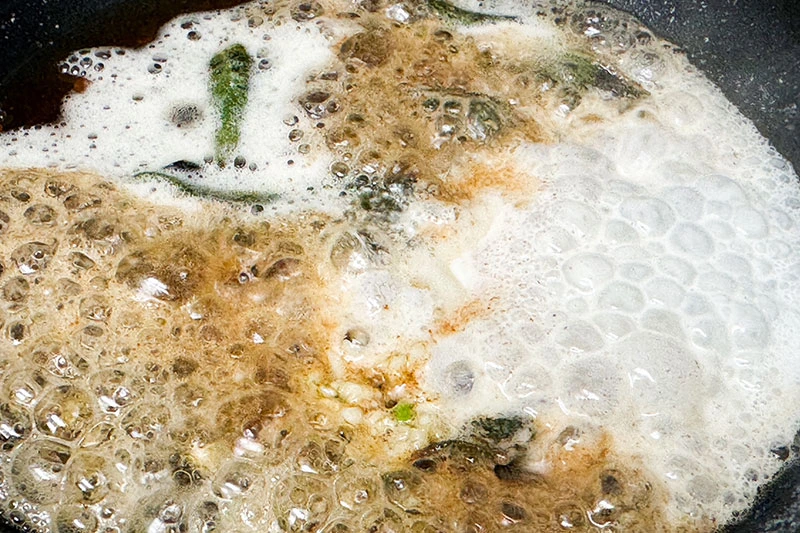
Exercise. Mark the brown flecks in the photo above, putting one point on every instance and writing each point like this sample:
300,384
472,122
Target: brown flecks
81,85
592,118
461,318
242,361
397,373
544,488
469,182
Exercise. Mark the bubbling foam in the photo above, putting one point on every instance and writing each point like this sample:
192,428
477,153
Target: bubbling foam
530,272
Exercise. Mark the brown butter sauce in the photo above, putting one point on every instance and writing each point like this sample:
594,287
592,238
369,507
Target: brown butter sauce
197,382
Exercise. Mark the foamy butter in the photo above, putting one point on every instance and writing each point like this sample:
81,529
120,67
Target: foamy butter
528,273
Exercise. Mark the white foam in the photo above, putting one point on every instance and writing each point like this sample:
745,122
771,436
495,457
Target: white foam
121,125
647,287
659,368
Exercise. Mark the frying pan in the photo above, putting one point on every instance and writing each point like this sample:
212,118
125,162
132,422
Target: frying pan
750,49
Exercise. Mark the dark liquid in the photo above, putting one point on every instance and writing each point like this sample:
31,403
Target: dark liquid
36,35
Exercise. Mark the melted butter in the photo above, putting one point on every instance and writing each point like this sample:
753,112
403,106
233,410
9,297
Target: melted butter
167,371
454,203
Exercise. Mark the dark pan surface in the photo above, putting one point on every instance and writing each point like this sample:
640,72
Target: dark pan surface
749,48
37,33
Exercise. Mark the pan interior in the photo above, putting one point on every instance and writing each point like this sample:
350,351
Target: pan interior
455,266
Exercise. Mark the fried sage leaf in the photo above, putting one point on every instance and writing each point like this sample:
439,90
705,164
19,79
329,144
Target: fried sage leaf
230,83
203,191
575,73
463,16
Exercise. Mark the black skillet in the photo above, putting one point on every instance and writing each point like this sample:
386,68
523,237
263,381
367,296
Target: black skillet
750,48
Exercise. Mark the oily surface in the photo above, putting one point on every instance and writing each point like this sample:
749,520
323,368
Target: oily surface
550,253
162,372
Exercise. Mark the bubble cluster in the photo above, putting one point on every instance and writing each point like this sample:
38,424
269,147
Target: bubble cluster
495,260
659,307
148,398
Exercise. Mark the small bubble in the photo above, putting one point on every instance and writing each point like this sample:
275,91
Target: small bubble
290,120
88,478
305,11
32,257
39,469
304,148
284,269
15,426
236,479
295,135
154,68
339,169
185,115
204,517
431,104
512,513
146,422
569,517
64,412
193,36
460,378
442,36
95,308
332,107
239,162
74,519
447,126
357,337
244,238
473,493
16,332
452,107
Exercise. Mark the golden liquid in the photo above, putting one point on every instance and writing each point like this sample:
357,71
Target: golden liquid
170,370
131,410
